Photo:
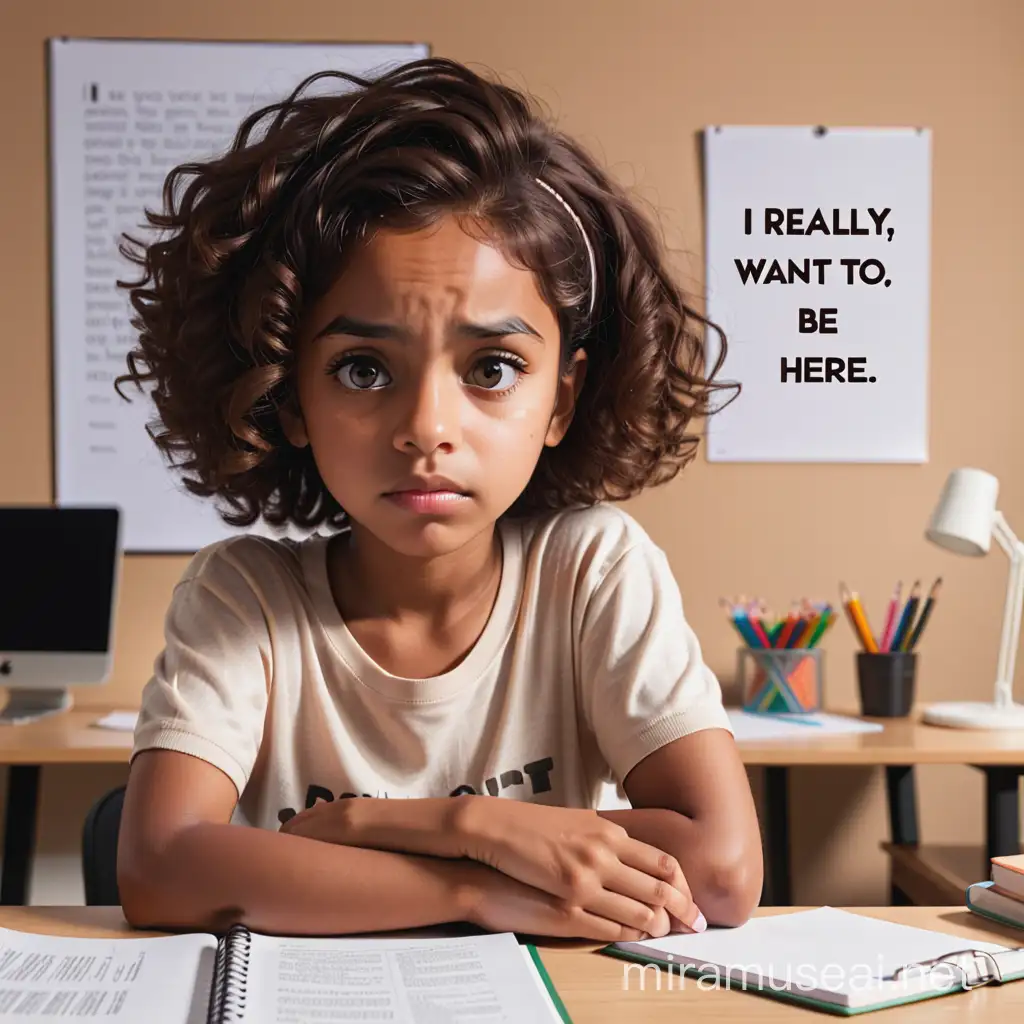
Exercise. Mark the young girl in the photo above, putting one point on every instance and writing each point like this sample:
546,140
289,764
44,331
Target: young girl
416,317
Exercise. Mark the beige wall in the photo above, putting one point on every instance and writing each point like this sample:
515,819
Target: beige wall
637,80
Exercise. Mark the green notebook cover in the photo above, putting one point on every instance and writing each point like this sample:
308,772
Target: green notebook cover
548,984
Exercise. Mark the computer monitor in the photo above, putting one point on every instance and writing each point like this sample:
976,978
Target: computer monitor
59,575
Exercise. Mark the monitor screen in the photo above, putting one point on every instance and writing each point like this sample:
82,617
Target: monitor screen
58,578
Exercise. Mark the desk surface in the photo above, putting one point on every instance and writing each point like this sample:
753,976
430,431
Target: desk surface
591,985
73,738
903,741
70,737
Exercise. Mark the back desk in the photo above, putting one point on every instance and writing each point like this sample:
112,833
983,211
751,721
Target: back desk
73,738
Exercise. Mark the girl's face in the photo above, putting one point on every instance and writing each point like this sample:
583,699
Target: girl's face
428,384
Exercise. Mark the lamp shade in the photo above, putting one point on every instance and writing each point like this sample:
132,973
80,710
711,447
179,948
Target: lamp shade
964,515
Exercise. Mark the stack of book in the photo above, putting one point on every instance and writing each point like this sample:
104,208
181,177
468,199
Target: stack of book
1002,897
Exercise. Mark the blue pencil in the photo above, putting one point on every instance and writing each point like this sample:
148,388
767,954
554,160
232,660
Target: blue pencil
907,617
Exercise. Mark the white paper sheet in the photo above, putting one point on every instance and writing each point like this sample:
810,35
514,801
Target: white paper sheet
119,721
479,978
749,726
843,957
123,113
862,180
163,980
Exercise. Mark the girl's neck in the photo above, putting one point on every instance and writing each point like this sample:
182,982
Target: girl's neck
371,580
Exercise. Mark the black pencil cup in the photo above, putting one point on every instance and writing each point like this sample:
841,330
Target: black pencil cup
886,683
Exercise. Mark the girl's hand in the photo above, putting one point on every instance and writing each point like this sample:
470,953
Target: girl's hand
575,856
502,904
423,826
583,860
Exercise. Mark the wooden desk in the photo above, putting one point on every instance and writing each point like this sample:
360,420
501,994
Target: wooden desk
591,985
903,744
66,738
71,738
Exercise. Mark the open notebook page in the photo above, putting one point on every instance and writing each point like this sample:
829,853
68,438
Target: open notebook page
156,980
827,954
482,978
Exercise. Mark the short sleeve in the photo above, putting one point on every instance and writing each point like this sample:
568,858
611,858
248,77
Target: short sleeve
209,690
644,682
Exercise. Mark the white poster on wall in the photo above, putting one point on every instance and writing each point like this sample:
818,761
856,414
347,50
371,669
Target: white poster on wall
122,114
818,246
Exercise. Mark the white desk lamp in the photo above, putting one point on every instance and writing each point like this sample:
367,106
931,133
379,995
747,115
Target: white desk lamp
964,521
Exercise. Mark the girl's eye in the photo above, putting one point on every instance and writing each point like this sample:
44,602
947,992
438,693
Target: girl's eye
495,373
361,373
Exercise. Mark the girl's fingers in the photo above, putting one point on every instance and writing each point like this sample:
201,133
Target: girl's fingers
653,877
629,913
653,892
585,925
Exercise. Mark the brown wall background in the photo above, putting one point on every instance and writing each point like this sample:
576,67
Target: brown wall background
637,81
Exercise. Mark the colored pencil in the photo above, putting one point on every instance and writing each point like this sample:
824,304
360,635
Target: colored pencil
828,625
820,628
731,615
890,618
756,626
860,624
741,623
792,620
808,624
759,628
918,629
903,629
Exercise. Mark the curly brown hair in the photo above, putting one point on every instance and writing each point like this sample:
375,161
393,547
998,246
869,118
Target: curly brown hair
253,237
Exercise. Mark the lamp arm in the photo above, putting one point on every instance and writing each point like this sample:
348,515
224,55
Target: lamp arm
1005,537
1010,635
1014,605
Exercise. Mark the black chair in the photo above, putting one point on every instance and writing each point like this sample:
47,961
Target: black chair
99,850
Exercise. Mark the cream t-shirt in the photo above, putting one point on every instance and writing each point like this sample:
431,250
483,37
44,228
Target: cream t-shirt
585,666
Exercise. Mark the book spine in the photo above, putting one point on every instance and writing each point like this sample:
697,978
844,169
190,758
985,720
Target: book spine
230,977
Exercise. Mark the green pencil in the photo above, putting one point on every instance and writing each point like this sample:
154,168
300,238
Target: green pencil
822,625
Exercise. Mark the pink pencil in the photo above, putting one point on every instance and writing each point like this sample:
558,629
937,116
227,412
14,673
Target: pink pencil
890,618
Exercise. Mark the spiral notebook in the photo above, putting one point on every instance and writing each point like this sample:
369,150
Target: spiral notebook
828,959
248,978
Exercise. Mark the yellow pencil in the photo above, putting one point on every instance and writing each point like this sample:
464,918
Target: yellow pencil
852,604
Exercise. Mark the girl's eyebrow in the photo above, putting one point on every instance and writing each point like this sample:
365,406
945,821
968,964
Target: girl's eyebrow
368,329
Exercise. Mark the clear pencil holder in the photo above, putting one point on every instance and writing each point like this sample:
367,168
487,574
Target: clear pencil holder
788,680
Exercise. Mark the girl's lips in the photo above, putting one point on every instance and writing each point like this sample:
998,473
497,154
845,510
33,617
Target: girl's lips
430,502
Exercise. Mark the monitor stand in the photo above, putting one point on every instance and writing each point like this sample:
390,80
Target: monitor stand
30,705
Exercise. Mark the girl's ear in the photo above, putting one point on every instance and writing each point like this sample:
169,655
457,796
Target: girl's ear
569,386
292,423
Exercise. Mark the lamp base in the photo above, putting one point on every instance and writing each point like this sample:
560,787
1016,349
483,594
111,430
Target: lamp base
968,715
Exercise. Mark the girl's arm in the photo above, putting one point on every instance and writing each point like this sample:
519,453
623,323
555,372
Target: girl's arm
183,866
692,799
693,826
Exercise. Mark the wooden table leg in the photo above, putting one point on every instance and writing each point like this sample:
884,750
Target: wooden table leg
776,828
1002,813
19,833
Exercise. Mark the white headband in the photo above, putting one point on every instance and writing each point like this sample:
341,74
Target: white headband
586,241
